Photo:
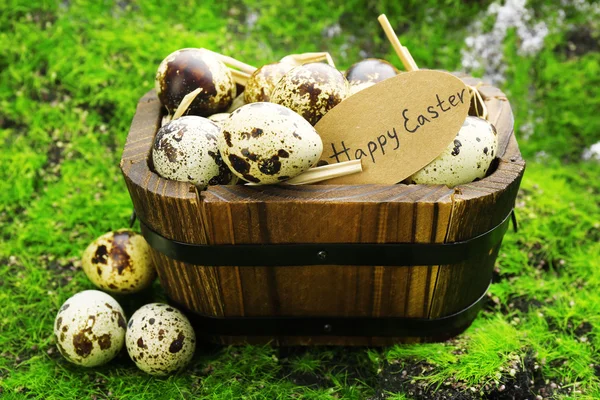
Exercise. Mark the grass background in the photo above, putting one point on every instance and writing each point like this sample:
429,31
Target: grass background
71,73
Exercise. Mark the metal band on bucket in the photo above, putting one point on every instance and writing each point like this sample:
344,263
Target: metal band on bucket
297,254
338,326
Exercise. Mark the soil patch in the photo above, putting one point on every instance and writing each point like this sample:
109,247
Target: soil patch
352,364
524,381
62,270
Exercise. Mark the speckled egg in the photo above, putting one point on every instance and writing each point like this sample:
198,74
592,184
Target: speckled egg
311,90
466,159
119,262
90,328
370,70
186,150
219,118
261,83
185,70
160,339
266,143
357,87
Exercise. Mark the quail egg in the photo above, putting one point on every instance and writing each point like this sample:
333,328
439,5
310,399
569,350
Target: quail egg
311,90
119,262
219,118
186,150
160,339
185,70
357,87
466,159
90,328
370,70
261,83
267,143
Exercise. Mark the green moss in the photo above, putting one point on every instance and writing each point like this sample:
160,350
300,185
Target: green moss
71,74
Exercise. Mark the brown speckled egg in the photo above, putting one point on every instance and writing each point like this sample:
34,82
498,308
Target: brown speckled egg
311,90
119,262
219,118
185,70
90,328
186,150
267,143
261,83
466,159
160,339
370,70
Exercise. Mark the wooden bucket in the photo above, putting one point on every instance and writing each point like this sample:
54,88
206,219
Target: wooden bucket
348,290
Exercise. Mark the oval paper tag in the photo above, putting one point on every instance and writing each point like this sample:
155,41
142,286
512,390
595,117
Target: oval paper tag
395,127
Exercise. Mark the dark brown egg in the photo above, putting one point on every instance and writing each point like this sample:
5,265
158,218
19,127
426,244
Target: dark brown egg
188,69
370,70
311,90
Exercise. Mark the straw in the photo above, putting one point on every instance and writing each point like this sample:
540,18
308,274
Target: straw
403,53
185,103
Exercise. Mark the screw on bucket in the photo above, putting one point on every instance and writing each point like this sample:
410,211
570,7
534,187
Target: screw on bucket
327,328
322,254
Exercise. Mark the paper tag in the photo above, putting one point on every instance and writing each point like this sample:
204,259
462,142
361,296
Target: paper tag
395,127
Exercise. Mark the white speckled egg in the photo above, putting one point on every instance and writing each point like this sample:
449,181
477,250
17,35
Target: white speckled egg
261,83
267,143
186,150
185,70
358,86
219,118
160,339
311,90
466,159
119,262
90,328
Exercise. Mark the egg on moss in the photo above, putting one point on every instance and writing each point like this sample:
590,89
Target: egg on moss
119,262
90,328
186,150
160,339
265,143
466,159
